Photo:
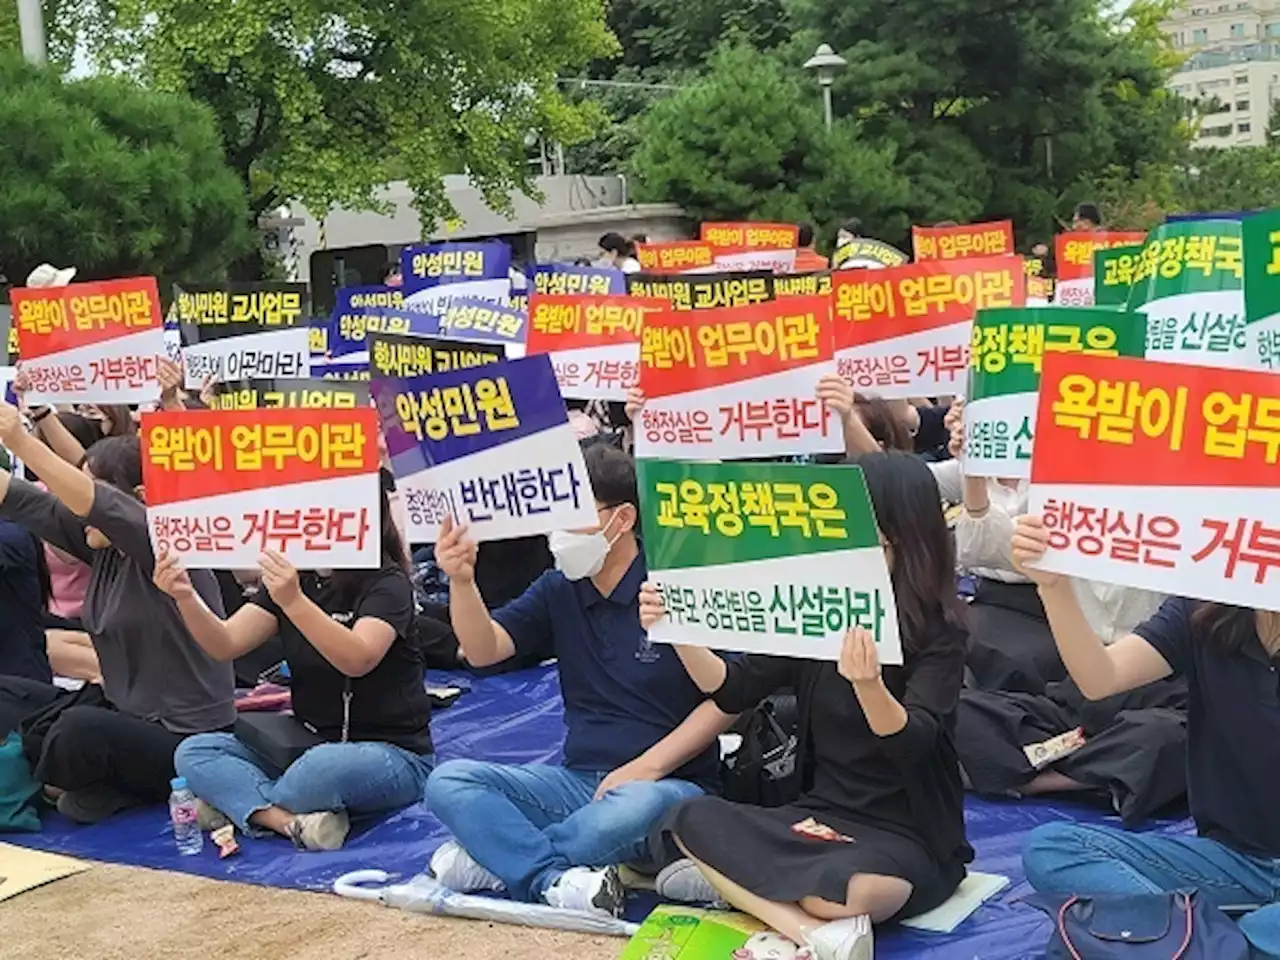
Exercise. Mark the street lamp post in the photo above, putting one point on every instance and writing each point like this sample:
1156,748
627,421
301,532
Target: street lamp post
31,29
825,62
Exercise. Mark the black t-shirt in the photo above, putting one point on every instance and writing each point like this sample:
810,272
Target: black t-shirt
1233,730
389,704
908,783
22,643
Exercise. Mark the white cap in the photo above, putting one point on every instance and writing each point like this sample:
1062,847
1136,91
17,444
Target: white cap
47,275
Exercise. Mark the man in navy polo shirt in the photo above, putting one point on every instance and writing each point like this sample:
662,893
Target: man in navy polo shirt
554,834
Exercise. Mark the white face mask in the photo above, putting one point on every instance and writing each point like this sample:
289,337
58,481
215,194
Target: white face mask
580,556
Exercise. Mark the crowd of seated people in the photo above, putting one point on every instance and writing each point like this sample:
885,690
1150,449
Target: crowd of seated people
117,671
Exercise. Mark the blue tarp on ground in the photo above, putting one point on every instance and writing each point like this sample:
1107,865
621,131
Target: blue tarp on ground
517,719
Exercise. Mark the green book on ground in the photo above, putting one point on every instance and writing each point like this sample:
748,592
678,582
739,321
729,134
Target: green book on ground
683,933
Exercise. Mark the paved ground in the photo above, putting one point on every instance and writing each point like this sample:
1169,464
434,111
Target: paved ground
128,913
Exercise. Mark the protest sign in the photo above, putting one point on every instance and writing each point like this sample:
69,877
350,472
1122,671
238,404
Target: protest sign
359,311
965,240
1189,284
10,367
244,331
1073,258
864,253
593,342
1160,476
266,304
90,342
1260,235
561,279
1113,270
424,266
1005,357
489,446
343,370
391,355
307,394
704,291
904,331
470,319
1039,284
803,285
775,261
769,558
738,381
223,486
737,237
678,256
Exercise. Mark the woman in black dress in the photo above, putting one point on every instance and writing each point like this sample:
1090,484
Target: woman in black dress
878,831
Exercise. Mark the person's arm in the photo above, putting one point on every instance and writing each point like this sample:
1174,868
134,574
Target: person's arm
32,508
836,393
55,433
1099,671
483,641
983,538
247,629
65,481
698,731
705,669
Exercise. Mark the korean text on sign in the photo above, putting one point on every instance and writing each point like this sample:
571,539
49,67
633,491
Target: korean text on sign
1208,525
442,263
558,279
779,559
90,342
704,291
492,445
1073,251
675,257
750,236
225,486
396,356
594,342
966,240
737,382
307,394
265,304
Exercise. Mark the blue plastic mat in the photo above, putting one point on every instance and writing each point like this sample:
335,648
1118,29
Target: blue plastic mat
517,719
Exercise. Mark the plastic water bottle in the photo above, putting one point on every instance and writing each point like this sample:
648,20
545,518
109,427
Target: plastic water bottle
182,811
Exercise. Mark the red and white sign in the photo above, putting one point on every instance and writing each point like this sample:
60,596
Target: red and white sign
1160,476
90,342
736,382
225,486
904,331
594,342
1073,260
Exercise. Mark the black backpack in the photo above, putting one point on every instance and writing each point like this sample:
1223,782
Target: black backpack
764,771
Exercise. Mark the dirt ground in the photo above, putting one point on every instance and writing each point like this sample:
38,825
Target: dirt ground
128,913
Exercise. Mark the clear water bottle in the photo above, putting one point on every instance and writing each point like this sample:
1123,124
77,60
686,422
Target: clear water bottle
182,812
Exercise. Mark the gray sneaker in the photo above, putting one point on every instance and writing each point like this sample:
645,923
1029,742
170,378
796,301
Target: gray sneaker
683,882
588,891
320,831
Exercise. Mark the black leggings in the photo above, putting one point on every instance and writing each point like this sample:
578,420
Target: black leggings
90,743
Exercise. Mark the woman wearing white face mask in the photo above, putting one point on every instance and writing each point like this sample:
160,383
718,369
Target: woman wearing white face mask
622,696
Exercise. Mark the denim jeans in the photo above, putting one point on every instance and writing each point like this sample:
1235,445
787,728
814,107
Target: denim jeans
361,778
1089,860
529,824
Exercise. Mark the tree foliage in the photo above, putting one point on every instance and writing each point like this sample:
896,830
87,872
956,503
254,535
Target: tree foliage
747,141
325,101
112,178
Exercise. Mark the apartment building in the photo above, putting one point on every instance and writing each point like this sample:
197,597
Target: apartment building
1233,66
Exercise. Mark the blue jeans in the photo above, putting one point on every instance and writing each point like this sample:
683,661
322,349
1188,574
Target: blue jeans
529,824
1085,859
360,778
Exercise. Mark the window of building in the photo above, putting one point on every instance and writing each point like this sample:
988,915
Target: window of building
1242,79
1272,29
1223,130
1242,104
1200,35
1237,31
1243,127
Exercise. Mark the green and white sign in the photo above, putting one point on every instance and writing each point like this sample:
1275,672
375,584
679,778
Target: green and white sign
1190,286
1261,237
779,559
1113,272
1005,357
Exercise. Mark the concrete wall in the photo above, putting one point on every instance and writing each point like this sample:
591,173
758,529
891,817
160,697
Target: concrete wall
567,236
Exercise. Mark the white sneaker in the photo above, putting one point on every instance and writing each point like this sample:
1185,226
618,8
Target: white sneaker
683,882
456,869
588,891
849,939
320,831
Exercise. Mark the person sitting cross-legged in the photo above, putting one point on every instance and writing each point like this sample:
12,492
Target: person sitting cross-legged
555,833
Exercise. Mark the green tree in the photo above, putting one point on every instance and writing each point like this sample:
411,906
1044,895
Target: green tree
747,141
1041,96
663,37
112,178
325,101
59,31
